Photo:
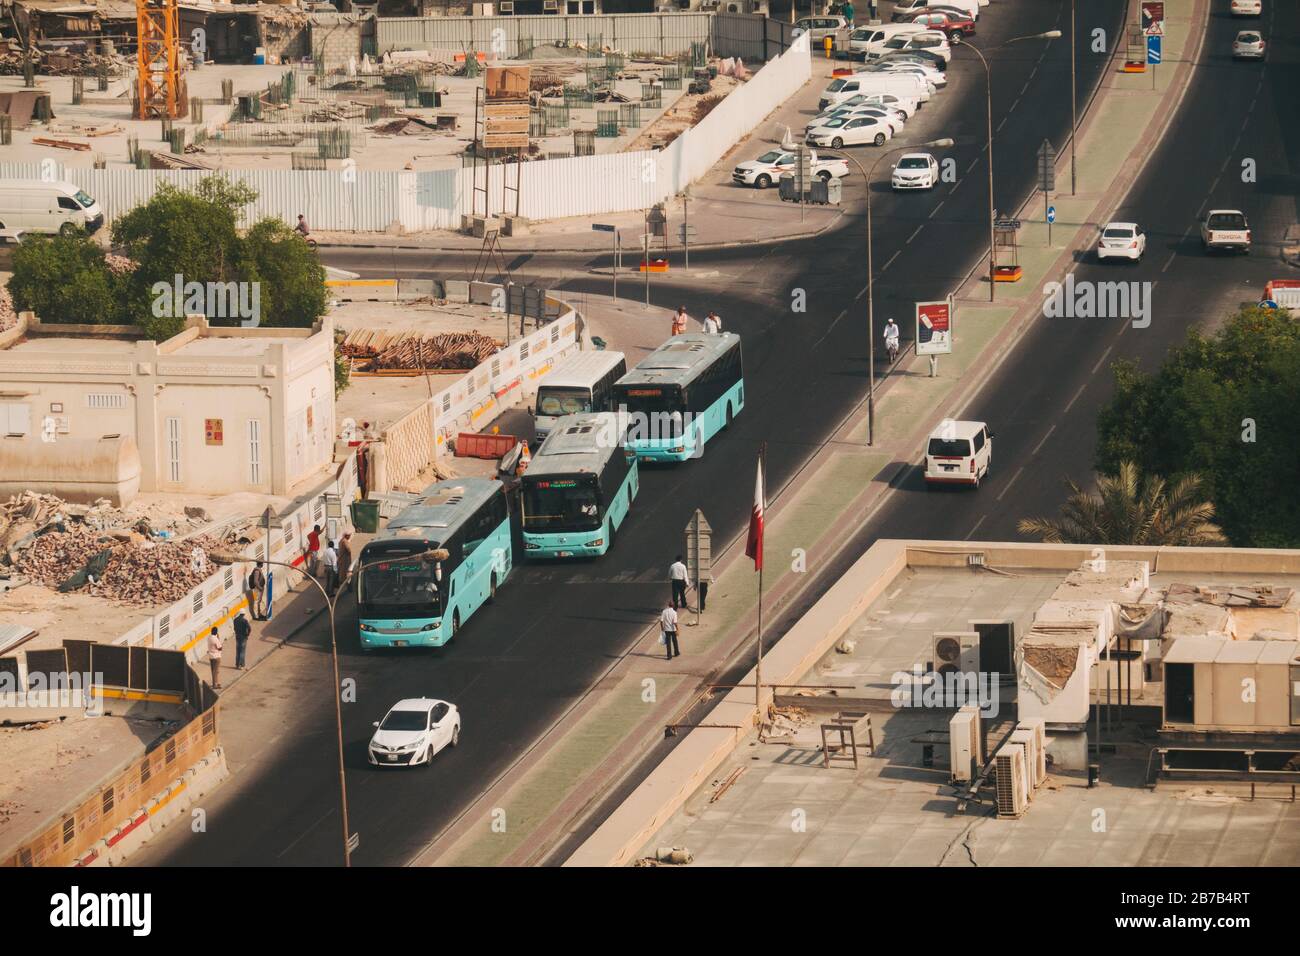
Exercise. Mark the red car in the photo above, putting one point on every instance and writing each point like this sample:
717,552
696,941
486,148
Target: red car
949,22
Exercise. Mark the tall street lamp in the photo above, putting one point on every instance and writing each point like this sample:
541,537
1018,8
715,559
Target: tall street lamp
223,558
871,277
1074,101
988,90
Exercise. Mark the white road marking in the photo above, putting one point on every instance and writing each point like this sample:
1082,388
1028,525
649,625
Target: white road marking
916,233
890,262
1169,262
1011,482
1103,358
1066,411
976,528
1043,440
936,208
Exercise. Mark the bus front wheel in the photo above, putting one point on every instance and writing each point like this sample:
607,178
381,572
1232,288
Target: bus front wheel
455,626
492,588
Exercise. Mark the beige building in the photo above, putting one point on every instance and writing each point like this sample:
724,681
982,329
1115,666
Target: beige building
91,411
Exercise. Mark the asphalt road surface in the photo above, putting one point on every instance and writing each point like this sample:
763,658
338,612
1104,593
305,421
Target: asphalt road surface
553,630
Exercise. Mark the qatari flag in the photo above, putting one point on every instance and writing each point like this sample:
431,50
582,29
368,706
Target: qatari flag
754,545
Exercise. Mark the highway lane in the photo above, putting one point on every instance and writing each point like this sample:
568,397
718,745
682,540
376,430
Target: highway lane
554,630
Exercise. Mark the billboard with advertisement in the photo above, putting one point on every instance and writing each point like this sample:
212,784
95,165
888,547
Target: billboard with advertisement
933,328
507,84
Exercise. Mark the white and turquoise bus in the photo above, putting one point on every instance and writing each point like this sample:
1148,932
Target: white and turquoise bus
681,395
578,488
406,599
583,382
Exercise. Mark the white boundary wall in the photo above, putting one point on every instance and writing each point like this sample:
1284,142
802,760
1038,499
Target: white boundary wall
416,202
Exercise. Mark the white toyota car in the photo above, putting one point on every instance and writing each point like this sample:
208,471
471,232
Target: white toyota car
413,732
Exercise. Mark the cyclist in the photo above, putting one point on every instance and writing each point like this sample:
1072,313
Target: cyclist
891,340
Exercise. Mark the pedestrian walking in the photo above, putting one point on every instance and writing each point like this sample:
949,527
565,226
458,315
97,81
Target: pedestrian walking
313,551
680,320
345,559
214,657
256,588
242,632
668,627
847,12
713,324
331,568
677,576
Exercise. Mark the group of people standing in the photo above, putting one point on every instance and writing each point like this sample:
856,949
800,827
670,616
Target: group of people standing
681,322
336,558
680,582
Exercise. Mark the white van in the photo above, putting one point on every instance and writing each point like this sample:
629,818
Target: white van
907,85
581,383
868,38
37,206
958,453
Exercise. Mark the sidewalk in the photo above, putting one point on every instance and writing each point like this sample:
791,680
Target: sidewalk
591,748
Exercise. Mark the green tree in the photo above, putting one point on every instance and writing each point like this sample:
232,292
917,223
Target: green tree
1129,510
292,280
65,279
1222,406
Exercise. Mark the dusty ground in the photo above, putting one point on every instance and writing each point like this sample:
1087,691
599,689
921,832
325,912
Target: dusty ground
44,770
680,116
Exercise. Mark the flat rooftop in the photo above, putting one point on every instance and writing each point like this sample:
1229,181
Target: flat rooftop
774,804
63,343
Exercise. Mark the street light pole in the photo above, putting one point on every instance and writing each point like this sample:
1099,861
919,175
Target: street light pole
988,100
871,277
1074,102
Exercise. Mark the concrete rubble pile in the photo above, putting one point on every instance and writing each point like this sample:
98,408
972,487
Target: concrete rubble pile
64,63
377,350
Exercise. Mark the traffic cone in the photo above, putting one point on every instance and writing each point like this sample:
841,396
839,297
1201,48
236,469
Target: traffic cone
525,459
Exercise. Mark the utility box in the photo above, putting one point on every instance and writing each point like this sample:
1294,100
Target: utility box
657,220
787,189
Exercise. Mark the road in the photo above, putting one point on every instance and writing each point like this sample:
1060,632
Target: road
555,629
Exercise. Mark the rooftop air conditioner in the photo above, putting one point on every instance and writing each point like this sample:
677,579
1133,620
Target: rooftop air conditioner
964,756
550,5
956,652
506,7
1037,728
1027,739
1009,766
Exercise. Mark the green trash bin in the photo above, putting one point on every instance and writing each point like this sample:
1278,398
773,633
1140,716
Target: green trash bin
365,516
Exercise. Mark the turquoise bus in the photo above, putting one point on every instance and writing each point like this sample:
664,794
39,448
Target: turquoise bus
578,488
681,395
406,599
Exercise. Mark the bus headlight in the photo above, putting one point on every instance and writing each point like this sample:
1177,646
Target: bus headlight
596,543
679,449
367,627
528,546
432,627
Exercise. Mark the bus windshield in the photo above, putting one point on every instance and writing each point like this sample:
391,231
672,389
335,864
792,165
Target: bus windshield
653,412
403,585
561,504
563,401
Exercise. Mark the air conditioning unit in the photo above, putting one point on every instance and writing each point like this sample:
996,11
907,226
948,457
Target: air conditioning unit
956,652
1026,738
1038,728
965,754
550,5
506,7
1009,767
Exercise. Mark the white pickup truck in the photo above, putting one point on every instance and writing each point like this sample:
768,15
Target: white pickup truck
767,169
1225,229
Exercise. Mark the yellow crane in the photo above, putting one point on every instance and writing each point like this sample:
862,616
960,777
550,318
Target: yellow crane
160,72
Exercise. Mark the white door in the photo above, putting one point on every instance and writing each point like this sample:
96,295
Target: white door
174,450
254,452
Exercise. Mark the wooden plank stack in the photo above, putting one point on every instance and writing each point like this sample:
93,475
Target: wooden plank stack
380,350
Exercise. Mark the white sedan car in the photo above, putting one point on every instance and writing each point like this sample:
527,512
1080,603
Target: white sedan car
915,171
891,118
1247,8
413,732
1249,45
1121,240
859,130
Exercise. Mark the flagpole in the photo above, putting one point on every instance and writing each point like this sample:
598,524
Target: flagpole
758,669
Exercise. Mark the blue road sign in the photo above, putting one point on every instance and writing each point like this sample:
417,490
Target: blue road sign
1051,214
1268,304
1153,49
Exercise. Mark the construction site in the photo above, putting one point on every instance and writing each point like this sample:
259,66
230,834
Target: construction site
301,94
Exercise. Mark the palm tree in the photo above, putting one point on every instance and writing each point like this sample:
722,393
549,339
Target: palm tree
1129,510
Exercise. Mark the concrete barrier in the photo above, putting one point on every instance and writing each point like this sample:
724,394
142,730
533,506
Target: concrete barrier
128,838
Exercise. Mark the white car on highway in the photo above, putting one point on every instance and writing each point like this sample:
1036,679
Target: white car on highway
1247,8
767,169
855,132
1249,45
413,732
915,171
1121,240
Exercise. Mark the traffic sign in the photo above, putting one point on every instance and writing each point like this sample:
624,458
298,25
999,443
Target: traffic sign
1051,214
1047,167
1153,17
1268,304
1153,49
603,227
